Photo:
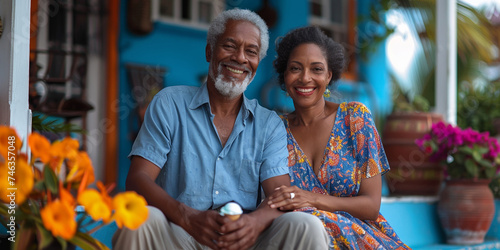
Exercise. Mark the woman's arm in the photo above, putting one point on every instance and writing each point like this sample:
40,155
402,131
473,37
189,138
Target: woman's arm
365,206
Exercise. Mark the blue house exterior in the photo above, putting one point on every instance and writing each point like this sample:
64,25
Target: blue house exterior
181,50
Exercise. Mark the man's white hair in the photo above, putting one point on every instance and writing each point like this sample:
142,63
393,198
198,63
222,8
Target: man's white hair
218,26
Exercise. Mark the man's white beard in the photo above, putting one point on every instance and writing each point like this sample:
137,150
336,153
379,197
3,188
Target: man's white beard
231,89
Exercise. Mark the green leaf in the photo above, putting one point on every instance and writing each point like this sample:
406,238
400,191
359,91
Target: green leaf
490,172
433,146
3,208
486,163
27,234
477,155
86,242
45,236
472,167
41,122
34,207
50,179
465,149
63,243
39,186
482,150
3,211
459,159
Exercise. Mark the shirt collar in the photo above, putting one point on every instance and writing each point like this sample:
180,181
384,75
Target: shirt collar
201,97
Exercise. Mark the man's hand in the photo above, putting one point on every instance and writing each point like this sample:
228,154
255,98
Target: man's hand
239,234
204,226
243,233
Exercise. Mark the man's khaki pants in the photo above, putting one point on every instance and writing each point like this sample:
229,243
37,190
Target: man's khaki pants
293,230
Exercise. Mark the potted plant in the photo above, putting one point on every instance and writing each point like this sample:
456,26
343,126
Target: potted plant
466,205
53,206
412,173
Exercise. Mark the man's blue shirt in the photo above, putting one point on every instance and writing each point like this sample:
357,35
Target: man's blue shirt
179,136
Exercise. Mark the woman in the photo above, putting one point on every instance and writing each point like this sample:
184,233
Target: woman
335,156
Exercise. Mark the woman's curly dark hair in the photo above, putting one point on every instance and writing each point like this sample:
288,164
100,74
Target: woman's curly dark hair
333,51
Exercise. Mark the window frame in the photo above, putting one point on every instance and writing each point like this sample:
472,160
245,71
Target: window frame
346,28
219,6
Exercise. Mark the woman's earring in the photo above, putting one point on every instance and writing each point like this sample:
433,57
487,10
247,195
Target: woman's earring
327,93
286,93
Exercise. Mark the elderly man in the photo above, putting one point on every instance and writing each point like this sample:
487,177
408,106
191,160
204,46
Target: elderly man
201,147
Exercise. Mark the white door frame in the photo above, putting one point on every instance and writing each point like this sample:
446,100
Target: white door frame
14,65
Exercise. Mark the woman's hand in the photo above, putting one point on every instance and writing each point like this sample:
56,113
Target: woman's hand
291,198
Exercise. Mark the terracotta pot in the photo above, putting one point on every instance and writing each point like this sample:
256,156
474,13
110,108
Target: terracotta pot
411,172
466,209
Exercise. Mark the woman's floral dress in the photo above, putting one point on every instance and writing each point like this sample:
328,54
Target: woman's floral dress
354,152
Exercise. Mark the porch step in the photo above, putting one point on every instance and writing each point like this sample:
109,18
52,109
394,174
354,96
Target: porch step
488,244
415,220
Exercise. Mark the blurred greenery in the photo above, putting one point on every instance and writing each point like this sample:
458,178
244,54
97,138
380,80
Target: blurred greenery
478,107
474,48
405,100
44,123
478,99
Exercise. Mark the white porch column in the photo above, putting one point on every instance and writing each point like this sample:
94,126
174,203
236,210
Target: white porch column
14,65
446,64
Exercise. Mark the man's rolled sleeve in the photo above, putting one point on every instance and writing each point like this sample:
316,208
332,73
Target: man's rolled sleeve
275,153
153,140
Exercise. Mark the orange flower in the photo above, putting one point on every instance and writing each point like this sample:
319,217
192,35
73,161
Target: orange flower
66,148
55,163
40,147
130,210
9,141
59,218
66,196
78,166
16,180
60,150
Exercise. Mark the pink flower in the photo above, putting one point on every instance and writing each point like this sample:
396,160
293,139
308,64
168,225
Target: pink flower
445,143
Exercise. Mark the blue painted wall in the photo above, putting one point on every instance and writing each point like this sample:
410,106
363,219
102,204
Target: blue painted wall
182,51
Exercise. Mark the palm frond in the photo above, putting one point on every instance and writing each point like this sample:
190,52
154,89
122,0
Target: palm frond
41,122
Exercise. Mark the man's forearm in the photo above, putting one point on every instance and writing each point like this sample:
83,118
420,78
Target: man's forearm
265,215
173,210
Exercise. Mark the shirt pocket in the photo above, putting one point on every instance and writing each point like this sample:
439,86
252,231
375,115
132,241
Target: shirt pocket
195,174
249,175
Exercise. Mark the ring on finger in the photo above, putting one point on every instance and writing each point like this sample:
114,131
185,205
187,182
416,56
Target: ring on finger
292,195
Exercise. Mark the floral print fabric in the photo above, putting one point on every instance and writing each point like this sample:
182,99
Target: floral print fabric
354,152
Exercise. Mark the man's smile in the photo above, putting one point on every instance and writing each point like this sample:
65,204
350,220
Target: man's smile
236,71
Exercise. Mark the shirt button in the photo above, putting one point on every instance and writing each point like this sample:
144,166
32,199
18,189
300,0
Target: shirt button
218,158
216,192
